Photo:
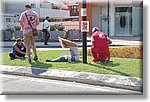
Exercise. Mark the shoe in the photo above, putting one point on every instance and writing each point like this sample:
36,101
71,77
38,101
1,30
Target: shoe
29,60
107,60
12,56
46,44
99,62
48,60
35,58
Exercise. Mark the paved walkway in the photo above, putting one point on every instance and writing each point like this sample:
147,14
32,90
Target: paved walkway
116,81
117,41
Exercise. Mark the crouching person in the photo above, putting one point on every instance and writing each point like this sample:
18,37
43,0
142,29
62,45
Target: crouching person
18,50
100,46
74,55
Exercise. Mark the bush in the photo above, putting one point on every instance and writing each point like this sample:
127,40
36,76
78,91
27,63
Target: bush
60,28
17,27
123,52
52,28
127,52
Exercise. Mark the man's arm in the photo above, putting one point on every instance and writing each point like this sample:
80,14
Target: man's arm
21,20
92,40
109,40
21,24
67,43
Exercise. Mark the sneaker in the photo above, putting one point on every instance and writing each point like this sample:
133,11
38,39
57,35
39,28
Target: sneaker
12,56
48,60
35,58
107,60
29,60
99,62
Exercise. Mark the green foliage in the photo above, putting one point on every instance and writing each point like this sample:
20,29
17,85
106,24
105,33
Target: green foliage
52,28
60,28
17,27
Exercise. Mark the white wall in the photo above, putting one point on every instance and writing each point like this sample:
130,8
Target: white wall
137,21
54,13
96,17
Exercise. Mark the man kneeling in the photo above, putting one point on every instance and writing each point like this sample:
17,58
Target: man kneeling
74,55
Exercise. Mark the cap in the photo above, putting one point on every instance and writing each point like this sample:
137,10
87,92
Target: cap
28,5
94,29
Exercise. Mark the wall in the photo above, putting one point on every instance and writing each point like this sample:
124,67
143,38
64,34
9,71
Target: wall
96,17
137,21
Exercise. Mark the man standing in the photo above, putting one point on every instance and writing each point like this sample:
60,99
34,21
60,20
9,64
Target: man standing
46,29
29,16
100,48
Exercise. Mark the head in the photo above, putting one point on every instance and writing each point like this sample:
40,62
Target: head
95,29
47,18
28,6
19,41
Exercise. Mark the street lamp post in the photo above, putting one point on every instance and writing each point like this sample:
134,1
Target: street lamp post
108,17
84,41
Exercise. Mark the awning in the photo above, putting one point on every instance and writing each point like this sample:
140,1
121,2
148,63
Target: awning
58,2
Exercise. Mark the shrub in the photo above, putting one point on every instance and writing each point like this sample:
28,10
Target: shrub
60,28
123,52
17,27
127,52
52,28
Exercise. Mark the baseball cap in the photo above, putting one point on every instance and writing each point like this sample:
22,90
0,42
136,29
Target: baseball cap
28,5
94,29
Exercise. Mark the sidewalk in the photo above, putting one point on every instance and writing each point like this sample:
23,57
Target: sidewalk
116,81
117,41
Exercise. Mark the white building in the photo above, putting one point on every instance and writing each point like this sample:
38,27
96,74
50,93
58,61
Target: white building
115,17
12,10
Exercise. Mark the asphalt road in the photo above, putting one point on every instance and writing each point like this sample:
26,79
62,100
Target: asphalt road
12,84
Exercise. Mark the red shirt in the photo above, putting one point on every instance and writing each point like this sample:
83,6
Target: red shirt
100,40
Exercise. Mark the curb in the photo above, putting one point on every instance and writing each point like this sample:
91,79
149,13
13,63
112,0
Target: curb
116,81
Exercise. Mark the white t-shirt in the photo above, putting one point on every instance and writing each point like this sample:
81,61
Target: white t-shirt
74,53
46,24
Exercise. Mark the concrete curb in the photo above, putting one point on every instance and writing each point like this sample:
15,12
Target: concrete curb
116,81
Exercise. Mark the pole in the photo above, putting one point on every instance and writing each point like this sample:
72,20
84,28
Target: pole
84,41
108,17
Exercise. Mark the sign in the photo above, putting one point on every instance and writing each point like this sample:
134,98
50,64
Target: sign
83,11
84,26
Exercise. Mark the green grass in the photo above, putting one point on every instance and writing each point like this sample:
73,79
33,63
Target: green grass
117,66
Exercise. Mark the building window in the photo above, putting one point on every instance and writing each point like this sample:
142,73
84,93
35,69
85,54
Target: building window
123,9
74,8
8,19
33,5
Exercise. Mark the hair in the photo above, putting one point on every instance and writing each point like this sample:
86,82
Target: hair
18,39
47,17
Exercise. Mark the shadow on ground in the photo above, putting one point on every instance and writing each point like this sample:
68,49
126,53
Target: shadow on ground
106,67
38,64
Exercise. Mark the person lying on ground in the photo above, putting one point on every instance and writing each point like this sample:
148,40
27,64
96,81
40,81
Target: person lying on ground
74,55
18,50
